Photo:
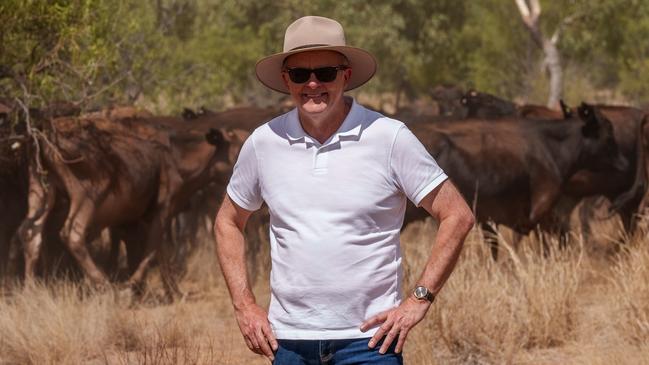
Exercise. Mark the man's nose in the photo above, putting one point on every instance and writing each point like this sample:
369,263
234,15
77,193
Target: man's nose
313,81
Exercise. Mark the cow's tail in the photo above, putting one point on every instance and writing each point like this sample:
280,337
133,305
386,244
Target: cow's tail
640,181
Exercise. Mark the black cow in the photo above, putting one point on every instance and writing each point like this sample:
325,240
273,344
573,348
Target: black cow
626,122
513,170
639,190
486,106
448,99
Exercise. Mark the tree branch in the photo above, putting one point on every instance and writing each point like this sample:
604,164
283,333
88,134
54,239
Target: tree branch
530,14
565,22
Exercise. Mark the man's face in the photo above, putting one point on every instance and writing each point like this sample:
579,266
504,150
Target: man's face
314,97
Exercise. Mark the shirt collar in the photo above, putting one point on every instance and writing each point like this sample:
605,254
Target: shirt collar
350,129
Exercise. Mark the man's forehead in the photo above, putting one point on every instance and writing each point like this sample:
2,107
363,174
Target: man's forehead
315,58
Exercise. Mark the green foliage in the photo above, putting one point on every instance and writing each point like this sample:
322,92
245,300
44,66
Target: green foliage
167,54
501,59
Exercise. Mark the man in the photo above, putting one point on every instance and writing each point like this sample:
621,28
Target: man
335,177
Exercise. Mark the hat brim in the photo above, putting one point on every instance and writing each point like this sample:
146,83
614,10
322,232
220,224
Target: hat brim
363,65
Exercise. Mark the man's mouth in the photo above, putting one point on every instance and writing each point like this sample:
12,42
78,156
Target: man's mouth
314,95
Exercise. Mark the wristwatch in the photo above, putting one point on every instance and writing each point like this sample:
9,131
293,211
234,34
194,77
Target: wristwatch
422,293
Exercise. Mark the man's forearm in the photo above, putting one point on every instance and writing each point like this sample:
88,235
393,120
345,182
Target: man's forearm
455,221
445,251
230,250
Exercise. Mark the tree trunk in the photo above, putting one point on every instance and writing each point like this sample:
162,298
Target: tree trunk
553,63
530,11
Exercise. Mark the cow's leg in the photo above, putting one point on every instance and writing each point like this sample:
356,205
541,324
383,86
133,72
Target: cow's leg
629,220
545,193
490,234
560,218
644,204
41,200
168,271
74,234
542,202
112,267
153,238
585,216
134,238
156,247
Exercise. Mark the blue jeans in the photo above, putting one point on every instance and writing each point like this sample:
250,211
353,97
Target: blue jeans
334,352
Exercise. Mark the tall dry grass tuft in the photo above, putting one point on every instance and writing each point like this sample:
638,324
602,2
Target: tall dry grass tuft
68,323
56,324
630,282
490,312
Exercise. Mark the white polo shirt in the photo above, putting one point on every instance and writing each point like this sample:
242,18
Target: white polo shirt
336,210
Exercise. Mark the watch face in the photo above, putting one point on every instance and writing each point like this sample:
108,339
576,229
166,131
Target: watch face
420,292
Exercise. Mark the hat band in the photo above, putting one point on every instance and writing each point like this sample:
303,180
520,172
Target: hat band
309,46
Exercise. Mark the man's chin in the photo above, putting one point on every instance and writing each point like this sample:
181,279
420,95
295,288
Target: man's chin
314,108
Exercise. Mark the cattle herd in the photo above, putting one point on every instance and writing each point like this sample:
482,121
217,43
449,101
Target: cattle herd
140,181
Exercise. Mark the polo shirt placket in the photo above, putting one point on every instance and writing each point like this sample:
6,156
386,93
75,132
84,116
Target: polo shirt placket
296,134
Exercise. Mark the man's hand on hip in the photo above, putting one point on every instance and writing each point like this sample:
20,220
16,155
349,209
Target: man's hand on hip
396,322
255,328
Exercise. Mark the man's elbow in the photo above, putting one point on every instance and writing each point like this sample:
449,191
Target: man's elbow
222,225
465,219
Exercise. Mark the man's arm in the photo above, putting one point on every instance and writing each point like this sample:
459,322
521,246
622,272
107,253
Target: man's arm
230,249
448,206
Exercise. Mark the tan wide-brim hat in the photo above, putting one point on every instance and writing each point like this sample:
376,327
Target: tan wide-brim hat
315,33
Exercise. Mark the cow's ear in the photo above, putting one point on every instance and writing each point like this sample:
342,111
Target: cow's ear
189,114
587,114
215,137
464,100
567,111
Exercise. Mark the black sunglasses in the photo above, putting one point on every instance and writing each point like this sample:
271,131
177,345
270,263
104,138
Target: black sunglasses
301,75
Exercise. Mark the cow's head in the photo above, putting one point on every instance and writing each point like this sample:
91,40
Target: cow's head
471,97
189,114
601,150
228,143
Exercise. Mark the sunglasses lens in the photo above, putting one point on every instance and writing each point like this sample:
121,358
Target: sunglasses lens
326,74
323,74
299,75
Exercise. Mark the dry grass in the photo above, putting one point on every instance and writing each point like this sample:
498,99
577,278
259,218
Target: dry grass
572,305
630,280
490,312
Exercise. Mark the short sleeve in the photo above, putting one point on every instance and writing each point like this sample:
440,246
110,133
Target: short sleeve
413,169
244,187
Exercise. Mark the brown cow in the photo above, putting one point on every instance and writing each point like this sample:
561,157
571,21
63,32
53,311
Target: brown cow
116,174
246,118
531,111
513,170
118,112
13,190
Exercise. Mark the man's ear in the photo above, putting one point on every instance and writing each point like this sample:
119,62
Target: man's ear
347,74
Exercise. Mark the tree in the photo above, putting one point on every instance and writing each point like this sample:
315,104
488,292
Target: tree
530,11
